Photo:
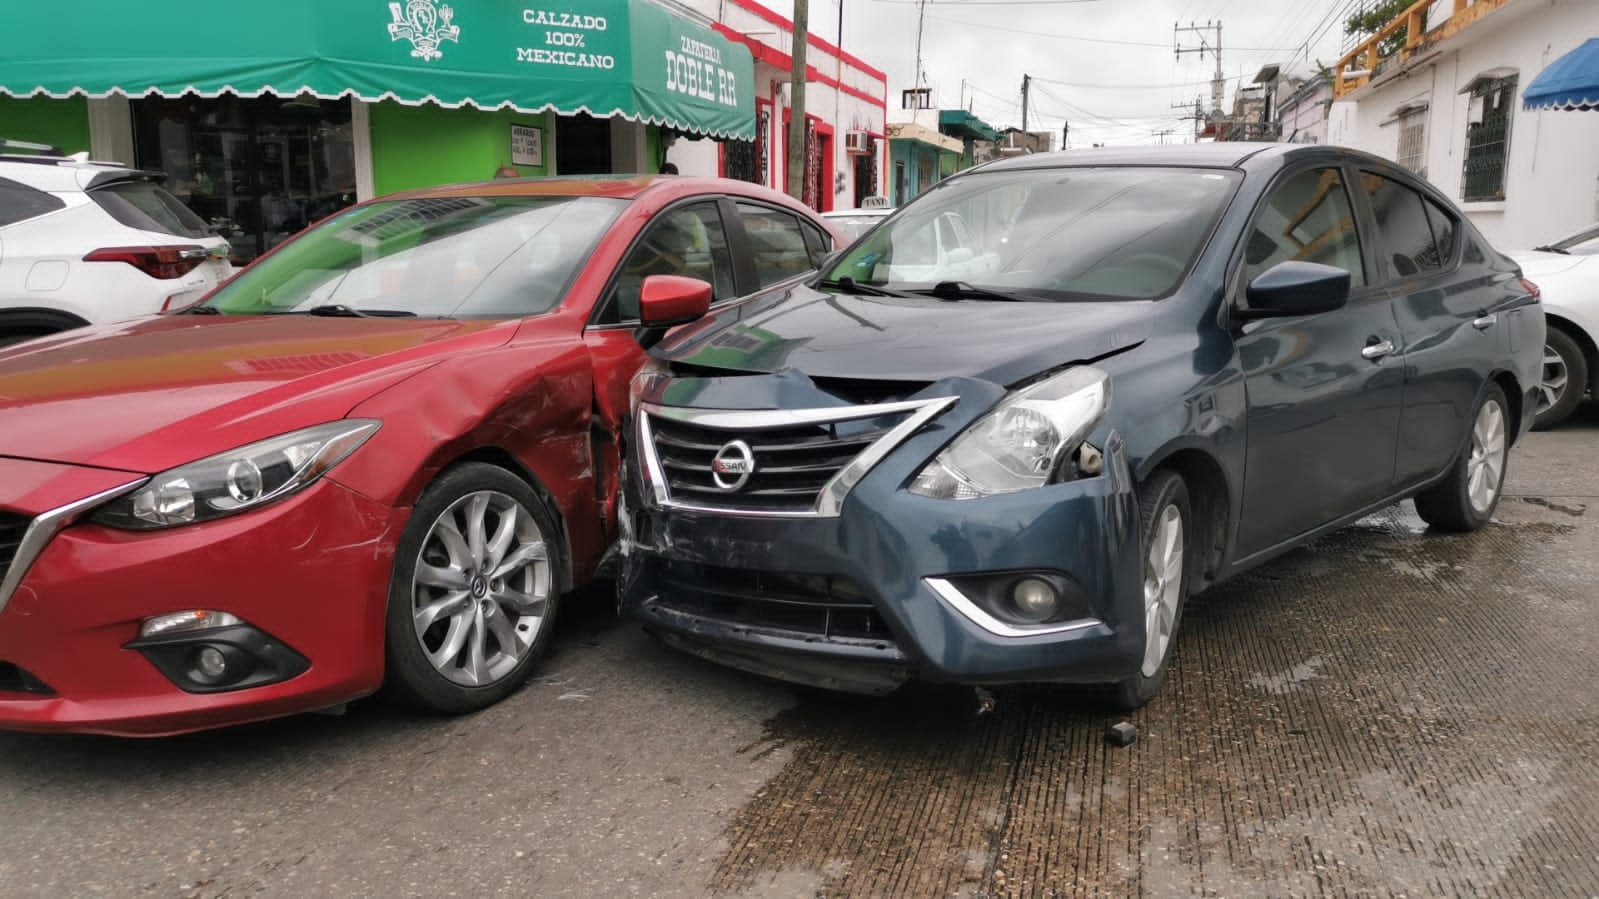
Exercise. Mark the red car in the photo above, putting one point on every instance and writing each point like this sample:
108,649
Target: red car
375,458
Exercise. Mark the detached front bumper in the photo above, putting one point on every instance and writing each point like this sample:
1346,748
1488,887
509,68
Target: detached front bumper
898,586
307,577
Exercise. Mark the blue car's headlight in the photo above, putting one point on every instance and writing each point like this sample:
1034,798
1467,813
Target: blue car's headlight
237,480
1019,443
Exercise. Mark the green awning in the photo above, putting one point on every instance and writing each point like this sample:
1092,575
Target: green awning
636,59
962,124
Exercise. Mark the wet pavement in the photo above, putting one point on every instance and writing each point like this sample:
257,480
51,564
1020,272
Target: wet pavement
1385,713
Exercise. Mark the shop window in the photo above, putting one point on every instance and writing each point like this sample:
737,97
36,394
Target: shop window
688,241
778,242
1404,233
1309,218
1488,138
256,171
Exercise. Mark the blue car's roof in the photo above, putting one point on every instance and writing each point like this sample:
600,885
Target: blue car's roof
1205,154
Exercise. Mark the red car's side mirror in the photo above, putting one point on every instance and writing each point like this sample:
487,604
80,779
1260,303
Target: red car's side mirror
668,300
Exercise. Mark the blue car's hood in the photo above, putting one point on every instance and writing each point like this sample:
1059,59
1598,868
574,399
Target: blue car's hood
922,339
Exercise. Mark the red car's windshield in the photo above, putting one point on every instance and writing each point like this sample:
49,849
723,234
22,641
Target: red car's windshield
458,257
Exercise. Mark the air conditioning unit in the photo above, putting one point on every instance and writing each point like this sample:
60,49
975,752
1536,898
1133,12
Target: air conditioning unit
857,143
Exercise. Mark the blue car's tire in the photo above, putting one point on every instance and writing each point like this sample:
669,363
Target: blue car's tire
1465,500
1167,523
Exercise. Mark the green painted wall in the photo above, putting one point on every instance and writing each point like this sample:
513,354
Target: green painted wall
64,123
425,146
655,154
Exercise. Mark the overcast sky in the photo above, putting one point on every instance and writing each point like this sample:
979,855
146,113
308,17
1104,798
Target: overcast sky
1107,66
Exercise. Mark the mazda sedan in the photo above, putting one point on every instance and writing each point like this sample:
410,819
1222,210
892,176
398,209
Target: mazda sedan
376,457
1012,460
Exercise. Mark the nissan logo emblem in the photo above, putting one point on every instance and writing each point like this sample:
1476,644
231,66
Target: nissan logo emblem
733,465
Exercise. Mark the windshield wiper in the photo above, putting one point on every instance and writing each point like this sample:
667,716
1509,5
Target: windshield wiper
339,310
199,310
960,290
1549,249
851,286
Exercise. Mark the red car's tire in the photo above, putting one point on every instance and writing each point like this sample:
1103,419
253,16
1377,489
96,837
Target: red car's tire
473,595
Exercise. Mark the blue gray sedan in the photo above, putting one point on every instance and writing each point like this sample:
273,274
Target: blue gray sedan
1139,373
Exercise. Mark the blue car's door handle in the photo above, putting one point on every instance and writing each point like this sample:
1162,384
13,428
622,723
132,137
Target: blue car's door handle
1375,351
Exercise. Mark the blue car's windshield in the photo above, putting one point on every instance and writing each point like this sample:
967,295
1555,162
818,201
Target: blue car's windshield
462,257
1110,232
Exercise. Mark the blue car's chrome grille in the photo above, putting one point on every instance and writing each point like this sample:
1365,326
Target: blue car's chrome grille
789,462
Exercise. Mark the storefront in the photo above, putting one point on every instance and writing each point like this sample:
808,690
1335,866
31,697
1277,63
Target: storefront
846,105
921,157
311,106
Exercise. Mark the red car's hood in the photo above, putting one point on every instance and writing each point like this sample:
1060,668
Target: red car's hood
152,394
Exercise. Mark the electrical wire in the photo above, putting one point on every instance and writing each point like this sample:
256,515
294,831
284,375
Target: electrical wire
1087,40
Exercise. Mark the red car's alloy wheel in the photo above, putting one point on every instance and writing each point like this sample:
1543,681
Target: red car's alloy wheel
481,589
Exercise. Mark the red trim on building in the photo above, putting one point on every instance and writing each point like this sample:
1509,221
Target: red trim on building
825,135
780,60
812,39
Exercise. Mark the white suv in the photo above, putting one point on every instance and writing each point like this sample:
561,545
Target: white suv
89,242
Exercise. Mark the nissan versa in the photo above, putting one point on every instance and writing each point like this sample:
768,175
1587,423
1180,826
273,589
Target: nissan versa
375,457
1012,428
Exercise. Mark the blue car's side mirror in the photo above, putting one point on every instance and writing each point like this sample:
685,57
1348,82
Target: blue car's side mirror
1296,288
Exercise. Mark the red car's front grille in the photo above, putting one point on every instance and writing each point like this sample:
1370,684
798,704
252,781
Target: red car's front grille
12,527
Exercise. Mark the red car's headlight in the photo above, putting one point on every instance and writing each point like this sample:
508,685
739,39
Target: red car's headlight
238,480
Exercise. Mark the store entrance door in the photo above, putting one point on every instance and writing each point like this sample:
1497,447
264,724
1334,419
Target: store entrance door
258,170
582,145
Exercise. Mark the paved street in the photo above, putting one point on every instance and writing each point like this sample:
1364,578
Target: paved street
1385,713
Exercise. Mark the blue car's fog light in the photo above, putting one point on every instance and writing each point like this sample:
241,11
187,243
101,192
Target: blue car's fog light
1018,603
1034,599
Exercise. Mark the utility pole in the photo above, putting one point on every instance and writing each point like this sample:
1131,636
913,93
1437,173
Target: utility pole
1027,82
1218,82
796,122
1161,134
921,15
1195,112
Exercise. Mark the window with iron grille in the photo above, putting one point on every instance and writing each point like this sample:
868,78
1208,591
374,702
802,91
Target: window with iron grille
1488,139
739,161
1413,141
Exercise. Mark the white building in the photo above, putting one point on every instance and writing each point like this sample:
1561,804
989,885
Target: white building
1302,110
1450,107
846,110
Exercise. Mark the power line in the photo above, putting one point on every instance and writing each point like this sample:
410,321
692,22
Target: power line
1335,16
987,2
1134,87
995,96
1294,11
1089,115
1086,40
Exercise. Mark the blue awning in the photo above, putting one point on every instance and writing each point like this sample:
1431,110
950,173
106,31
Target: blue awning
1570,82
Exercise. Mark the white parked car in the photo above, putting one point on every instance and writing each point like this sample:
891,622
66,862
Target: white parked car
1567,273
86,242
852,223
